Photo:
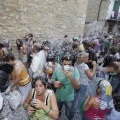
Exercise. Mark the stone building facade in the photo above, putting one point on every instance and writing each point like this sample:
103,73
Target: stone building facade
46,19
96,16
113,17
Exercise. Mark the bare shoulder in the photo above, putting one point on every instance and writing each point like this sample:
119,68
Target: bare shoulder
94,99
50,92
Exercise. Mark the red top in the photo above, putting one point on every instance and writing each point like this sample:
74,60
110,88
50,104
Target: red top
94,113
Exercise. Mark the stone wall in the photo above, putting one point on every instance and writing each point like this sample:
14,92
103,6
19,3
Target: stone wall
94,13
92,10
46,19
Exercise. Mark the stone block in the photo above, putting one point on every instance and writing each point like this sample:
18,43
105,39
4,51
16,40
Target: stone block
1,31
5,31
10,3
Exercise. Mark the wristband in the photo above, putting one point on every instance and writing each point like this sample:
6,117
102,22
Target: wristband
46,112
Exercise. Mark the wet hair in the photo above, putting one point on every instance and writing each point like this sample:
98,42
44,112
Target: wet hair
113,50
75,39
51,57
1,44
65,36
102,53
6,42
116,101
31,35
98,86
105,36
88,43
38,47
80,56
85,42
42,47
20,45
114,65
75,46
9,57
67,56
3,81
44,81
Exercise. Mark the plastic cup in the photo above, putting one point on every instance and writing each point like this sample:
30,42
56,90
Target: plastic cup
59,84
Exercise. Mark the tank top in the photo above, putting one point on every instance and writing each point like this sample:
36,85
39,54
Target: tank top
97,113
40,113
24,76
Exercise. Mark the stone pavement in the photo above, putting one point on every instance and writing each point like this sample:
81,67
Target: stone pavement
76,112
76,115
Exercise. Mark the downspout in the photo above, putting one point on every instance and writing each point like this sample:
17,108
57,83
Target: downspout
105,19
99,10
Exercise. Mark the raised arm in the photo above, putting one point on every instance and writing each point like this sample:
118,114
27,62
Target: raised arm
89,73
88,104
75,83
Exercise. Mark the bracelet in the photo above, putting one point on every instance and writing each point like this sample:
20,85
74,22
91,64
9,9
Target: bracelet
46,112
25,106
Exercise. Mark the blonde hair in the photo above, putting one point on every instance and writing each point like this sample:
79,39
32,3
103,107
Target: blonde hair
81,55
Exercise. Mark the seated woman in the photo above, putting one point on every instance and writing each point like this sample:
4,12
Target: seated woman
41,102
97,107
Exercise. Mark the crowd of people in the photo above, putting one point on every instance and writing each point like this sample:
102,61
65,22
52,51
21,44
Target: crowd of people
81,74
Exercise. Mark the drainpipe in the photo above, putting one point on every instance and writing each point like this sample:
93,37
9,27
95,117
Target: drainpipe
99,10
